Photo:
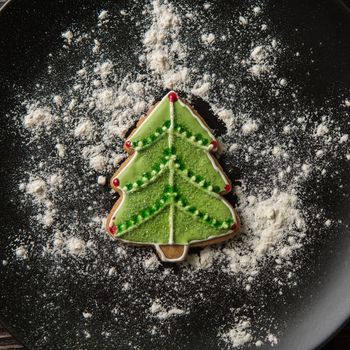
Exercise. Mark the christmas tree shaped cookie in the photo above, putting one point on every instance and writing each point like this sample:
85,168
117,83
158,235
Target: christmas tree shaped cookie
171,186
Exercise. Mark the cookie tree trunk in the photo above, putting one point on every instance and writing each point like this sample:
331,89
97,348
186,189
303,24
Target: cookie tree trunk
171,187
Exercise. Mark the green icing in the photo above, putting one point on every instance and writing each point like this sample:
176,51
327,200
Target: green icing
154,230
172,200
171,196
198,161
161,114
187,225
184,117
186,231
197,139
193,158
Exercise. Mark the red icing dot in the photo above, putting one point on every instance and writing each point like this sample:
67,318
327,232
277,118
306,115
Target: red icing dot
215,144
228,188
112,229
127,144
172,96
234,227
116,182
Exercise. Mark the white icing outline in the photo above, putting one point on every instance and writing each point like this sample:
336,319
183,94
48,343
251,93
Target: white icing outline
171,171
157,245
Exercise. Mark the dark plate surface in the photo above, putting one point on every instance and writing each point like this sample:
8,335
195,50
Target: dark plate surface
46,313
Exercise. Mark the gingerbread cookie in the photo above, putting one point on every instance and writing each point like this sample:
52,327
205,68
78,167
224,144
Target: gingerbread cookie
171,186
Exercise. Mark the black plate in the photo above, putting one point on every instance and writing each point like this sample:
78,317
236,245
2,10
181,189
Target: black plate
45,311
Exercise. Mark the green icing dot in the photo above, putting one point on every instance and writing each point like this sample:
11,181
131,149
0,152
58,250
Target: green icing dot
216,189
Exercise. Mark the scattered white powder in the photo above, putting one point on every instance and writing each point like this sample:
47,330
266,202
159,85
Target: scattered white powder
48,217
104,98
105,69
87,334
272,339
152,262
87,314
258,69
239,335
126,286
306,168
243,21
61,150
96,47
283,82
272,218
112,271
172,79
37,118
201,89
277,151
21,252
267,222
328,223
257,10
344,138
160,54
68,35
321,129
227,116
75,246
57,100
234,148
250,126
203,260
208,39
101,180
55,180
37,188
85,126
103,15
162,313
84,129
98,162
258,54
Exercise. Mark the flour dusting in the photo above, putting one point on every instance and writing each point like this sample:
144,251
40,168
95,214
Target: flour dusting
273,150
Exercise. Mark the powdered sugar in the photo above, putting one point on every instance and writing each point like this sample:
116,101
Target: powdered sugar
161,313
239,335
38,118
84,126
208,39
37,188
21,253
266,224
152,262
250,126
84,129
68,35
75,246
